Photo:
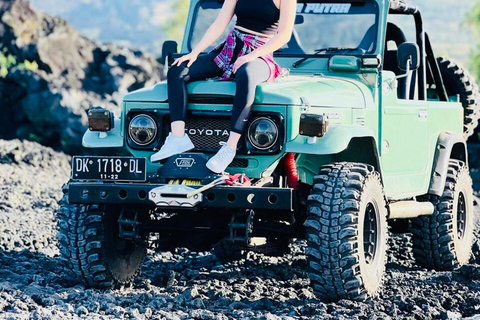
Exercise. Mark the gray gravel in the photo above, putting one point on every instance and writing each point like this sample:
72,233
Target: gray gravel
185,285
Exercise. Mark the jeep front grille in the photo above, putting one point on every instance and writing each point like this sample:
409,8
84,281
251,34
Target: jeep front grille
206,132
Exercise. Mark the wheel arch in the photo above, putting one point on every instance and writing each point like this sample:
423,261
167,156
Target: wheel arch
450,145
340,143
362,149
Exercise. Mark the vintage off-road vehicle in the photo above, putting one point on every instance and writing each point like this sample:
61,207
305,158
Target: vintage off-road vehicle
364,132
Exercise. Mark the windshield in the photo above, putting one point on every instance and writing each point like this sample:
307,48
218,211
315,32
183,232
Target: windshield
318,25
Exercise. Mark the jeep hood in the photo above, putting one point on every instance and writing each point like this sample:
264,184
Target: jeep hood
292,90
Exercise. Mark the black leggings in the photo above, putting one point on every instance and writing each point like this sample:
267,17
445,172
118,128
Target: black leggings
247,77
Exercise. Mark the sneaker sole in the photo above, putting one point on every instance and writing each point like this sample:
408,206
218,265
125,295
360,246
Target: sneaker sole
171,155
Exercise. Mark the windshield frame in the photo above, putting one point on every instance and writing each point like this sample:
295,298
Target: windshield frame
193,21
194,13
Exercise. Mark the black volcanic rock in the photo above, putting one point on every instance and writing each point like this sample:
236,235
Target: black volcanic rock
49,104
186,285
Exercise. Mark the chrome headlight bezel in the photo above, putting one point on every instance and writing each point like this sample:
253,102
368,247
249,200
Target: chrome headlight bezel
253,132
152,126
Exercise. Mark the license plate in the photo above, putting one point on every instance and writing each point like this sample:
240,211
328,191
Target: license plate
109,168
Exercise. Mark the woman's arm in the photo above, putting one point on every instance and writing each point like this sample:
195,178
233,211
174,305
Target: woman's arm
288,9
218,26
214,31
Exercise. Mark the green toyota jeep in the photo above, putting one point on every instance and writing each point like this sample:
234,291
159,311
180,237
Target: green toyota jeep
363,133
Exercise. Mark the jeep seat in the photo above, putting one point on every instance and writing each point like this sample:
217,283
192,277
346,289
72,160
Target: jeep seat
395,35
368,42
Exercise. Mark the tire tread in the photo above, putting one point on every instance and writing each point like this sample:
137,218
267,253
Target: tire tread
332,230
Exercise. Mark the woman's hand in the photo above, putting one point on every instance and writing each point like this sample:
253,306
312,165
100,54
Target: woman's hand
191,57
242,60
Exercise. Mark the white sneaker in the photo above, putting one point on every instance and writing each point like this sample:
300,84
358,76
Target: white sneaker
173,145
219,162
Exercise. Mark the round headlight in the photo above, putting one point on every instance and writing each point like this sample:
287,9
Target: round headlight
263,133
142,129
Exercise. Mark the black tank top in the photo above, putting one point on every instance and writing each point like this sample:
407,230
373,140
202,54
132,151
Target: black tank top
258,15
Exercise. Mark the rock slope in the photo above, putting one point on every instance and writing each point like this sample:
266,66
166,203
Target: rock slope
186,285
65,73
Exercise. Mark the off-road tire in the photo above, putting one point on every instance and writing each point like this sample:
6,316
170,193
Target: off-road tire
226,250
458,81
443,241
89,249
346,203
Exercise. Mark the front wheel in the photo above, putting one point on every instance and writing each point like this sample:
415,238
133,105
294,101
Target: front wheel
444,239
346,232
92,249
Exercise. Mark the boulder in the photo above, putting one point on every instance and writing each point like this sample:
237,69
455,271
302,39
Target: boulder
48,103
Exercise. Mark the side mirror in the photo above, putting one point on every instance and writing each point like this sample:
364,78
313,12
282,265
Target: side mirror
299,19
169,47
408,56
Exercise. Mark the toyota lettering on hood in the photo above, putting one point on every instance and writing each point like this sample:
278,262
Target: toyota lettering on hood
206,132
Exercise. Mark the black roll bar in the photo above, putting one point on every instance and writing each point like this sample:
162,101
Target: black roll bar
435,71
405,7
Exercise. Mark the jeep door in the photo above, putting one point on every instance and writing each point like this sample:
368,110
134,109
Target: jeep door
404,142
405,147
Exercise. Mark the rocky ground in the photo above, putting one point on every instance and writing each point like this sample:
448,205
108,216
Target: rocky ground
186,285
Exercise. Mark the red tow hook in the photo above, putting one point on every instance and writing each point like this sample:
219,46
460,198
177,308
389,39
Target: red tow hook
239,179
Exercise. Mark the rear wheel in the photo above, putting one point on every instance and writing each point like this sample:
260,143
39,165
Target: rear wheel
444,240
346,232
92,249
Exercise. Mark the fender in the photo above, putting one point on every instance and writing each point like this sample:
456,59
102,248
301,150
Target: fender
113,138
450,145
335,140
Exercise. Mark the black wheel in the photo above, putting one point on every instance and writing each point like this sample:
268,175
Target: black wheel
444,240
346,232
227,250
91,248
458,81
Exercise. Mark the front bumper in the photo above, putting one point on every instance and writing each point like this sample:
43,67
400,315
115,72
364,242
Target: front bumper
226,197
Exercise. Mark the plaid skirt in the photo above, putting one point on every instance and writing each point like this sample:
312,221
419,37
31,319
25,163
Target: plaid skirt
251,42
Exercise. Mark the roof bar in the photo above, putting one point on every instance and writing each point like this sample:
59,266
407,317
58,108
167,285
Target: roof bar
401,6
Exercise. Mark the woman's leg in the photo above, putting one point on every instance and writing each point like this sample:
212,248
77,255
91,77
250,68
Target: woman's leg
177,79
247,78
